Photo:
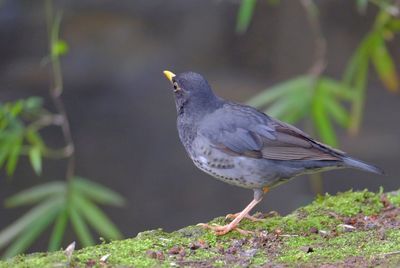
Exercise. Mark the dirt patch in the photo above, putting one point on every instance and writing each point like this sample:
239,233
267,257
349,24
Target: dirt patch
387,218
238,252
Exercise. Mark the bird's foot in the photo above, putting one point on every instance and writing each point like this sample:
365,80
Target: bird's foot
224,229
247,216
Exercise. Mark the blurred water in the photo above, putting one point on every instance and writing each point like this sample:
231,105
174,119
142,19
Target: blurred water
123,115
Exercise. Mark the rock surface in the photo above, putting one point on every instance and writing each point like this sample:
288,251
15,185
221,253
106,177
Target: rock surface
351,229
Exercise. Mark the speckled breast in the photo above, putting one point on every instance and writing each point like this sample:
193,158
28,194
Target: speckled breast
235,170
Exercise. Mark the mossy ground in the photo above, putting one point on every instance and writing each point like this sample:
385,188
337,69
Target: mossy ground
349,229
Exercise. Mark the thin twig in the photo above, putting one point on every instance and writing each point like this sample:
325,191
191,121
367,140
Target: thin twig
56,87
67,136
320,42
46,120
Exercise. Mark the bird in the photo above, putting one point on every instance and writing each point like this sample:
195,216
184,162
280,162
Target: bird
242,146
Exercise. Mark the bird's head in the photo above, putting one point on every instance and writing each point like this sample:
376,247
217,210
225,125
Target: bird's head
192,92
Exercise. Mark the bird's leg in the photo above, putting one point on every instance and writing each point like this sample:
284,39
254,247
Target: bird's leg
221,230
248,216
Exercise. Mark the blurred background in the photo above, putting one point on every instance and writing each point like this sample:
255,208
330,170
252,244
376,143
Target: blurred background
122,113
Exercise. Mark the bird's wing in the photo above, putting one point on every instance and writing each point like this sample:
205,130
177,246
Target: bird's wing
293,144
262,137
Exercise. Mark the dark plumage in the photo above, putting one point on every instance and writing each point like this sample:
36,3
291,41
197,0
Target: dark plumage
242,146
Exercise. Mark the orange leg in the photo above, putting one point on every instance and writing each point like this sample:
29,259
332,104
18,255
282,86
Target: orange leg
221,230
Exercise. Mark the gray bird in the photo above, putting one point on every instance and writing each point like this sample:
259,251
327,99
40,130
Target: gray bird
242,146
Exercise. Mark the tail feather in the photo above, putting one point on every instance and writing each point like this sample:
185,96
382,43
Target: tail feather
358,164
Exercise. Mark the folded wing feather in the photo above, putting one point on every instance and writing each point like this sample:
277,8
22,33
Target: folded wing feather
286,143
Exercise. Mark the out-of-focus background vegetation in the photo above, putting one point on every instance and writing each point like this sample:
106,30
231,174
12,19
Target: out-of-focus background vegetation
95,67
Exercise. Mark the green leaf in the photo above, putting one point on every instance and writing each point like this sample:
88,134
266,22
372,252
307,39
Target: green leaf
279,108
358,102
356,77
36,194
34,138
97,192
58,231
60,47
35,157
244,16
394,25
14,155
359,60
28,236
384,65
80,227
352,68
289,101
336,110
330,91
4,150
280,90
321,120
337,88
33,103
383,17
297,114
324,128
301,103
28,219
96,218
16,108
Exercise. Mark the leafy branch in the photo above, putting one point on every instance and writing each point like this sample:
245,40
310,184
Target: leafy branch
74,200
372,50
59,47
53,203
13,134
326,100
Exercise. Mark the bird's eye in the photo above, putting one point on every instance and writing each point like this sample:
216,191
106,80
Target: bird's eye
176,87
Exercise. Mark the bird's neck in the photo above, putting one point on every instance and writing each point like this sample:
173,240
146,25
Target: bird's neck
196,110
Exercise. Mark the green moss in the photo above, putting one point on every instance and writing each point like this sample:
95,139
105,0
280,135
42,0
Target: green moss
348,203
259,259
394,198
36,260
363,244
324,214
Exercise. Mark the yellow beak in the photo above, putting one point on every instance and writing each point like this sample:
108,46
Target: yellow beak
169,75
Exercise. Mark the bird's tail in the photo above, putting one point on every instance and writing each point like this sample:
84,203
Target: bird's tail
358,164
